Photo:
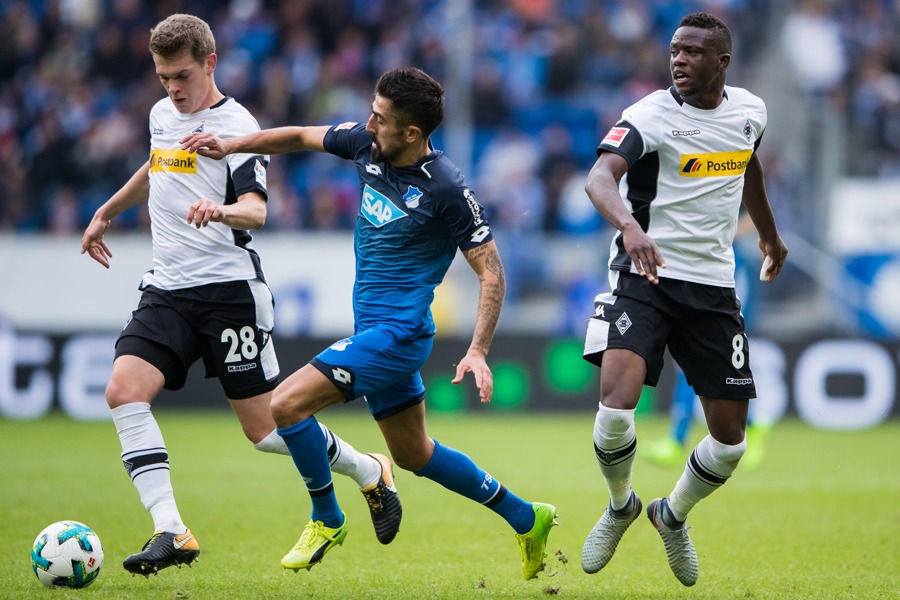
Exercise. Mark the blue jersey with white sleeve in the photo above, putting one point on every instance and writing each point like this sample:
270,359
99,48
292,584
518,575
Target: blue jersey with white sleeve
411,221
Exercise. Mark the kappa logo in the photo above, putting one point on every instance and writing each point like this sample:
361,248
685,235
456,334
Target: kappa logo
373,169
623,323
736,381
615,137
241,368
378,209
678,133
412,196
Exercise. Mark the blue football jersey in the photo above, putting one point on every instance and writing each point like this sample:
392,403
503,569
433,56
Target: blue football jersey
411,221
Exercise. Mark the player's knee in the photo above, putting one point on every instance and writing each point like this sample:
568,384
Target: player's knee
120,392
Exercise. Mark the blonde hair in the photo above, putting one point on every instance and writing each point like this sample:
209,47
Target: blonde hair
180,32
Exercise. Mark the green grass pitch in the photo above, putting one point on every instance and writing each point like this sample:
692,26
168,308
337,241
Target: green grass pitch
820,518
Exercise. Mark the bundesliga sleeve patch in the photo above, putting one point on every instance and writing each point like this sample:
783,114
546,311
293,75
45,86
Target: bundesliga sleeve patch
260,172
615,136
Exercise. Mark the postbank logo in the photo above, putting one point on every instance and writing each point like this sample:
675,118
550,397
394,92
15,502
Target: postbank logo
377,208
714,164
173,161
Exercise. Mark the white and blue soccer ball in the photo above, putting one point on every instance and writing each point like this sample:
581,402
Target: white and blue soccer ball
67,554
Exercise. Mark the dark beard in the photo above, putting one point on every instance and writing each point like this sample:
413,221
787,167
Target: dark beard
381,157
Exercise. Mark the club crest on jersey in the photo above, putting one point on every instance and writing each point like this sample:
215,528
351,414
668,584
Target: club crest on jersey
412,196
616,136
748,130
172,161
341,345
199,128
377,208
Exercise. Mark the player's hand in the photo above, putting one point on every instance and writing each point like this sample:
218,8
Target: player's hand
475,363
644,253
777,252
92,242
202,212
205,144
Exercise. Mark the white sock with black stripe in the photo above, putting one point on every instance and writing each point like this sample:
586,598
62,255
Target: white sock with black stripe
708,468
147,463
345,460
614,445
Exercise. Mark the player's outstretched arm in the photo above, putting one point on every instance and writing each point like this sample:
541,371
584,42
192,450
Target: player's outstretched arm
756,201
279,140
248,213
135,191
603,191
485,261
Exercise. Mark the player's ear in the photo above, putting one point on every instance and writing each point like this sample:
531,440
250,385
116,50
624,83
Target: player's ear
413,134
211,60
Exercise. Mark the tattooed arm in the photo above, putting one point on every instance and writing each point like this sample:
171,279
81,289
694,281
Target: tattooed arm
485,261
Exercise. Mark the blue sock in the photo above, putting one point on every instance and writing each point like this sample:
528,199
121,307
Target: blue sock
458,473
310,453
682,408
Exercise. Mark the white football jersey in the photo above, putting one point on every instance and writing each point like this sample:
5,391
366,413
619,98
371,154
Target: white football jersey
686,178
184,256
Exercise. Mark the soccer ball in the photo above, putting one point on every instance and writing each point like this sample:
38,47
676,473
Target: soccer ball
67,554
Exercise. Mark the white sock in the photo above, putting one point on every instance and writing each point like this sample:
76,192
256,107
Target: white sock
147,463
273,443
615,444
345,460
708,468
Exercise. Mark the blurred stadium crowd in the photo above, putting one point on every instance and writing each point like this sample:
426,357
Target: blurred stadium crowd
546,78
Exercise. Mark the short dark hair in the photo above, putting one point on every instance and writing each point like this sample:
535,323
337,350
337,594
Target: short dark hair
416,97
180,32
702,20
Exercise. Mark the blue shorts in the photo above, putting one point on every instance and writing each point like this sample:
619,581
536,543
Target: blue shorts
374,365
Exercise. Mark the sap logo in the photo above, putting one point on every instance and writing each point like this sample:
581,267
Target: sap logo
412,196
373,169
473,206
341,345
377,209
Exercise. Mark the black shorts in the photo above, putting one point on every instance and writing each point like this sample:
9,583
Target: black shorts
701,325
228,325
